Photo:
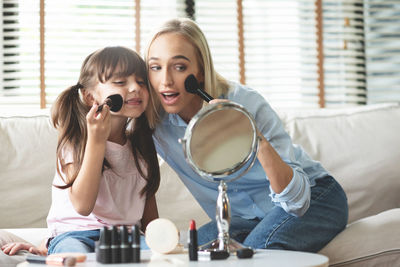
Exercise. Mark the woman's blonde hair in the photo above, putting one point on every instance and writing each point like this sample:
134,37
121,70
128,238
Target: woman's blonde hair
69,114
214,83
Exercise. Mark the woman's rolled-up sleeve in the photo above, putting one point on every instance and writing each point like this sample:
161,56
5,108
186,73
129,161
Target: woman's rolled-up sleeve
295,198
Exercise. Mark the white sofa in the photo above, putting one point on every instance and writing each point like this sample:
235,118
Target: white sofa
360,146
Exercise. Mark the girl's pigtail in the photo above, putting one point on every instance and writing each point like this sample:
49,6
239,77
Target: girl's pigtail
68,116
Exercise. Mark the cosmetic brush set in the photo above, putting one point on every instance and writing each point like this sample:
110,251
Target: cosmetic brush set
120,244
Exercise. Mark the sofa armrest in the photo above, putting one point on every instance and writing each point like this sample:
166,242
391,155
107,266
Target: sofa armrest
372,241
27,163
31,235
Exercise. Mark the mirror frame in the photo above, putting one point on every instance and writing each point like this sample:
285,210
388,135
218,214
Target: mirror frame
221,174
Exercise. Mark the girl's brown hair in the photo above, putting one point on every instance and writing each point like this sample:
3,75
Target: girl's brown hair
69,115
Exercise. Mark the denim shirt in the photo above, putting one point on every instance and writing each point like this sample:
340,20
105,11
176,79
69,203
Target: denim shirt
251,196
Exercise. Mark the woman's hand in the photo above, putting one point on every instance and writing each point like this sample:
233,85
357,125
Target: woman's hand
98,124
14,247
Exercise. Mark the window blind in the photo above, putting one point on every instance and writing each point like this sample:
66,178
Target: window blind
1,45
279,47
360,45
155,12
344,56
76,28
217,19
20,57
73,30
382,38
280,51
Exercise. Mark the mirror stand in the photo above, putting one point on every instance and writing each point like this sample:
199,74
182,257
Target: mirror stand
223,219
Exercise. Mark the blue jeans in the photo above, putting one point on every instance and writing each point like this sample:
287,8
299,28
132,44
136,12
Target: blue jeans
326,217
79,241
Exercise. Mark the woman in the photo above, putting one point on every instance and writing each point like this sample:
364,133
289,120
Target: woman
286,200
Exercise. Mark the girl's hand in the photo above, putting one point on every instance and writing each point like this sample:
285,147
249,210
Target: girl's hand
14,247
98,124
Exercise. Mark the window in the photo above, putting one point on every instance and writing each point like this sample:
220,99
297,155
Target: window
67,43
218,21
281,51
73,29
21,53
272,46
382,41
344,53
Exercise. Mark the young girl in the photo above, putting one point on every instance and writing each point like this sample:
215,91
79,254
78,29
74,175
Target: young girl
286,200
107,167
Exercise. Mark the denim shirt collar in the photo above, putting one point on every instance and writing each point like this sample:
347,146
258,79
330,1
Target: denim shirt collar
176,120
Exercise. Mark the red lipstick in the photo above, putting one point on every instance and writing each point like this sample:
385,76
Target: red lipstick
193,246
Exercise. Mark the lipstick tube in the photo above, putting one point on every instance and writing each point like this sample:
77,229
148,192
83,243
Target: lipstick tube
126,251
245,253
103,251
115,245
135,244
192,242
213,255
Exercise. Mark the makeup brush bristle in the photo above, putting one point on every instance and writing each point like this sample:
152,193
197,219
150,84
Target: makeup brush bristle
69,261
116,102
191,84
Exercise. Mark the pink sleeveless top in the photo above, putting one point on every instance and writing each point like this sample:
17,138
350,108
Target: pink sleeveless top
118,202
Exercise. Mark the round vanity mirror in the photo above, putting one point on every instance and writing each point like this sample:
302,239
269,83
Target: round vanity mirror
221,144
219,140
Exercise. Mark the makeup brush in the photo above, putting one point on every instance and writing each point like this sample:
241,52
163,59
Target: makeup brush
113,101
52,260
193,87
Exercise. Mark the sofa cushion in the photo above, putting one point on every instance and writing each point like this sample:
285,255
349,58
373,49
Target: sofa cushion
27,164
175,202
360,146
34,236
376,239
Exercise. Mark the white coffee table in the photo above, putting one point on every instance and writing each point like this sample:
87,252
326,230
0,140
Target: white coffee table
261,258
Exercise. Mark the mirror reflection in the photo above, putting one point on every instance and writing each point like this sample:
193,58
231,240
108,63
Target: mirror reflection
221,140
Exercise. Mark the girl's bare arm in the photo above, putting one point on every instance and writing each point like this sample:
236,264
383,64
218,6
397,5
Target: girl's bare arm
83,192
